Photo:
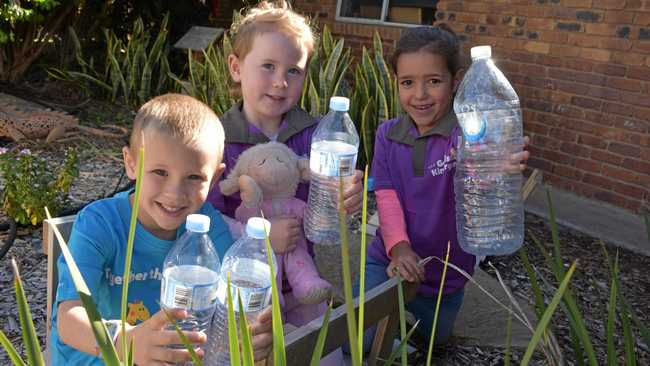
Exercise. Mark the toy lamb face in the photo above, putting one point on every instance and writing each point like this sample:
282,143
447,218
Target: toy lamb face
267,176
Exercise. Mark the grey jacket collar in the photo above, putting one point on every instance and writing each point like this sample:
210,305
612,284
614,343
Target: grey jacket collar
401,131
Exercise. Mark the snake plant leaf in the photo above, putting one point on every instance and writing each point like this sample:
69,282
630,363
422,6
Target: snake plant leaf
30,338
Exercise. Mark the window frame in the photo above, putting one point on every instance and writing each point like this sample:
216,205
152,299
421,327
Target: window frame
368,21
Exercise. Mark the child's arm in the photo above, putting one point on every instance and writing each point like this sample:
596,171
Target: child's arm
150,339
517,163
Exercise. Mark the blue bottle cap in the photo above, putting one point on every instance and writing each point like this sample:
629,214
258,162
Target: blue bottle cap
197,223
257,227
341,104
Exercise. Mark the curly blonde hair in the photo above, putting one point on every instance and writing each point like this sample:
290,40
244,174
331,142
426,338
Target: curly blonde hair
270,16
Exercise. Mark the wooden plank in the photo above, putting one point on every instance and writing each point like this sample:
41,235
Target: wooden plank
379,302
199,38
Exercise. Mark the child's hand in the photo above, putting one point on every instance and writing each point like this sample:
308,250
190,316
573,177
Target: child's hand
152,341
285,233
405,261
262,332
517,163
353,194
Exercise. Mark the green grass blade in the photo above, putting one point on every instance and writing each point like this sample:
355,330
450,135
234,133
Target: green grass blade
402,318
233,341
646,218
362,260
186,342
402,346
11,351
322,335
347,281
30,339
105,343
557,253
435,318
129,245
628,338
129,354
540,306
247,346
279,355
546,318
612,355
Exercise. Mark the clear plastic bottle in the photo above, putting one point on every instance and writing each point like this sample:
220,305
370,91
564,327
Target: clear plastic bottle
489,208
334,148
191,274
250,273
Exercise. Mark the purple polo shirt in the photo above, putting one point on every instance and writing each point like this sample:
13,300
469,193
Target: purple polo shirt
421,170
295,131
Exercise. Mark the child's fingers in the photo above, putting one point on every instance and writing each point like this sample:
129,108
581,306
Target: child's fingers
167,337
172,355
159,320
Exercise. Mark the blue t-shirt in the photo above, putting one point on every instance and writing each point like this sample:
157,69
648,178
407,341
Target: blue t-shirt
98,243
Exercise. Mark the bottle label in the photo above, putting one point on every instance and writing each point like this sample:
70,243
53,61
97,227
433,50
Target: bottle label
178,295
253,298
332,164
473,125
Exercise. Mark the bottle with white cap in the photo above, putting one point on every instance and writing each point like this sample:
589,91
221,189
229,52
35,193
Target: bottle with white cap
334,148
250,276
190,275
489,207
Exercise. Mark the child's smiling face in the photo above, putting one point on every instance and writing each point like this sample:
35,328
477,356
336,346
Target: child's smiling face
176,180
426,87
271,76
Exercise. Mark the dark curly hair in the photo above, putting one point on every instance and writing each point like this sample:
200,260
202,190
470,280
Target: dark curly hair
439,40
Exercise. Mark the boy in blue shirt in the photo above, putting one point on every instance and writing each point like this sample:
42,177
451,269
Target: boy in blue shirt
183,141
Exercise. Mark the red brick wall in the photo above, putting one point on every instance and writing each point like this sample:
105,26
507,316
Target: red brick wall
582,71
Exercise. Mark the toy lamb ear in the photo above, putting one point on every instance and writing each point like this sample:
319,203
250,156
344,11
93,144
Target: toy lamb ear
230,185
303,167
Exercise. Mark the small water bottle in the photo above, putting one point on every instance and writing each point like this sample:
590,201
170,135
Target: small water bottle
489,207
191,274
334,148
250,274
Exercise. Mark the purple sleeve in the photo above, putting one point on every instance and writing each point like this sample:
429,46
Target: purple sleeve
380,166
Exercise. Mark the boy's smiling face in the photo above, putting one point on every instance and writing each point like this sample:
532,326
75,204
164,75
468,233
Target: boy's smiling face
176,181
271,76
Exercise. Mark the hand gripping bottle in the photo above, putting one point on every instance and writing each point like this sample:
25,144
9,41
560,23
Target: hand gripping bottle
334,148
191,274
250,274
489,208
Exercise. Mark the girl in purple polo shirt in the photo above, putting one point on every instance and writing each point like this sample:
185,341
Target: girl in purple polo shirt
413,169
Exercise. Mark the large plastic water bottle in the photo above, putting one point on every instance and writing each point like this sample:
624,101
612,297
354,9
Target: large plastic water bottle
489,208
334,148
250,274
191,274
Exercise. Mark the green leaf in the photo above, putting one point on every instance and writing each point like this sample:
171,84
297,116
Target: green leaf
186,342
362,260
322,335
540,306
247,346
279,356
233,344
402,346
612,355
440,291
546,318
11,351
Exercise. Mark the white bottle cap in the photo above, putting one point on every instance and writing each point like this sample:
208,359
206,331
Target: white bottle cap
341,104
258,227
481,52
197,223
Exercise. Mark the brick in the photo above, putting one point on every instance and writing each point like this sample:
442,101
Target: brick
591,141
636,98
570,27
599,118
623,31
549,119
583,77
577,3
569,111
624,84
628,58
601,29
593,41
612,198
588,16
563,135
610,69
634,4
571,87
619,173
629,190
549,60
586,103
580,65
564,51
643,46
606,157
642,167
538,105
624,149
642,73
619,17
588,165
642,18
538,24
631,124
609,4
537,47
538,163
603,93
536,128
575,149
597,180
567,171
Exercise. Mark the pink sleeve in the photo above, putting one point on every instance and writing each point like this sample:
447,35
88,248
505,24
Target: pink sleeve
391,218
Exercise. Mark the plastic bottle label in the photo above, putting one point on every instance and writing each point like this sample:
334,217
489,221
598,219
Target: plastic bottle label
473,125
332,164
179,295
253,298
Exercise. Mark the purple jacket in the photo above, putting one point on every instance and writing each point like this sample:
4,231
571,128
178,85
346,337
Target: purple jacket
421,170
295,132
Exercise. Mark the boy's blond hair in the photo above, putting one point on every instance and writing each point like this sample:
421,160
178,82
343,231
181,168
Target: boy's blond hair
180,116
271,17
